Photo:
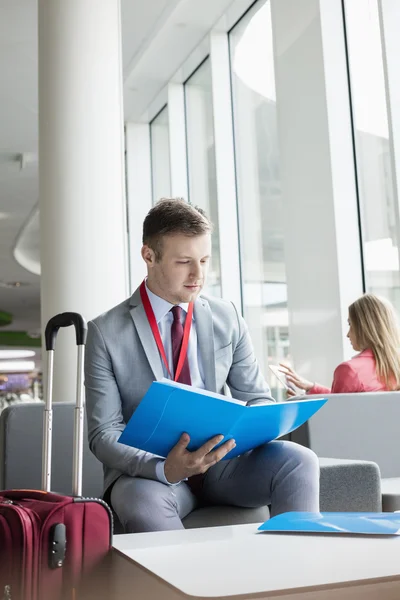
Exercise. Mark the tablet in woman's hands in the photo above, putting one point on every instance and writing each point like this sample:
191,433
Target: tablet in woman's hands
282,378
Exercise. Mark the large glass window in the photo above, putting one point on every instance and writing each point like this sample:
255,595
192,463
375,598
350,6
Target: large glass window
201,159
160,157
259,188
378,206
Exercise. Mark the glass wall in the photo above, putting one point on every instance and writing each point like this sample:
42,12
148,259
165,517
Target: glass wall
261,223
259,189
378,206
201,159
160,157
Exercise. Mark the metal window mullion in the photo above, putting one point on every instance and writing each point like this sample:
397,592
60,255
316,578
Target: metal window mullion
225,168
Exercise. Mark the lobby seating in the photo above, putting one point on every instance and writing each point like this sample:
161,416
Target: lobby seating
345,484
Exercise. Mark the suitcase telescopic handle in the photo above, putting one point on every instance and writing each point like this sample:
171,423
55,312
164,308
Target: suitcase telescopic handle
64,320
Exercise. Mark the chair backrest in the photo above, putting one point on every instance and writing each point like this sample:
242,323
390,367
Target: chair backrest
356,426
21,434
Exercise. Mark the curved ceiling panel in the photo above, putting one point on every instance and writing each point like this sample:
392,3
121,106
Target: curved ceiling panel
26,250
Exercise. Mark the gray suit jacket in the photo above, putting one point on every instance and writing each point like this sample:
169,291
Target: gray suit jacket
122,360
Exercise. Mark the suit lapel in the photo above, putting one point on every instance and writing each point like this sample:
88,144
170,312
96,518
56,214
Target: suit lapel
205,337
146,335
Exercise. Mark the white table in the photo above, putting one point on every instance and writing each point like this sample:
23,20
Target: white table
238,562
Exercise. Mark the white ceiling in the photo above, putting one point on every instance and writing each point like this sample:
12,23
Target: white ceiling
157,36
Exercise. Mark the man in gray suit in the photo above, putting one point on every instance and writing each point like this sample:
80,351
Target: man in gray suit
123,357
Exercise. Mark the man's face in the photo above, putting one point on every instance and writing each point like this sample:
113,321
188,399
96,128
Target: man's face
180,274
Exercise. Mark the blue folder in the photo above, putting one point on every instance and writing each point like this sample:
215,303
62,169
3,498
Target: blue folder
169,409
334,522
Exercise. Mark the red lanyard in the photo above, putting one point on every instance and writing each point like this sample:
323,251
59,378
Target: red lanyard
156,332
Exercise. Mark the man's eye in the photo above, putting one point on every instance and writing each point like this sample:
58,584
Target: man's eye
183,262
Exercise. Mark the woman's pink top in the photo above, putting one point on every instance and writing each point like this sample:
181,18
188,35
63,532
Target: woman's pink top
355,375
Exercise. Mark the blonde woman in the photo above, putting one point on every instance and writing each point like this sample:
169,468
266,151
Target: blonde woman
374,333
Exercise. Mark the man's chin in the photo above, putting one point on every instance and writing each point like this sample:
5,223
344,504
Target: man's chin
190,295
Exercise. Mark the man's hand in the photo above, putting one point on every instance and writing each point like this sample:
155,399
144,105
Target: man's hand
180,463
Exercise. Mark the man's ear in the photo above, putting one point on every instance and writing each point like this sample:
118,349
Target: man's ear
148,256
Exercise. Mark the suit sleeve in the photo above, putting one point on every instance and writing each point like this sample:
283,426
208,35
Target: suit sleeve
245,379
345,379
104,414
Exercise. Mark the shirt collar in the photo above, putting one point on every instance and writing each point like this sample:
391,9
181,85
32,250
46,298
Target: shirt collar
160,306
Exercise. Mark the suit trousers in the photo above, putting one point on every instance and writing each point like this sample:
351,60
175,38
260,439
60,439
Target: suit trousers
281,474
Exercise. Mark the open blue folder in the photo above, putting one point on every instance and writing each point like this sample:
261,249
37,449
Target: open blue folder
334,522
169,409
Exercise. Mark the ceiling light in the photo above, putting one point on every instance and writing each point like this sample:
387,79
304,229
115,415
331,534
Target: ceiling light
16,354
16,366
12,284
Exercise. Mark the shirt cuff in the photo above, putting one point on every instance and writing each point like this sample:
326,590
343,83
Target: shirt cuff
160,474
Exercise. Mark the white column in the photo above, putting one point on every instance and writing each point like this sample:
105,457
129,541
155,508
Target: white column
322,245
177,140
138,177
225,168
81,168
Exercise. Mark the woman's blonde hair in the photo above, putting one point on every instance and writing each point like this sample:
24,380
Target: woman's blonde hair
375,326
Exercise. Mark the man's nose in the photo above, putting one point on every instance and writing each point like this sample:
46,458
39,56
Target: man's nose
196,272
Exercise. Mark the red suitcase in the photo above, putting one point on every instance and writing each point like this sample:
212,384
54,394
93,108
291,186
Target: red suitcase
50,543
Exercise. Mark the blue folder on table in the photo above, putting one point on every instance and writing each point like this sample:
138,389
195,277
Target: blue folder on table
334,522
169,409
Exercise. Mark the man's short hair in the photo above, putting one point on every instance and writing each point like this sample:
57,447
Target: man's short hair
173,216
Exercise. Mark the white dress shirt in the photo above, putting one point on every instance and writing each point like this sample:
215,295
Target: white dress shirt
164,319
